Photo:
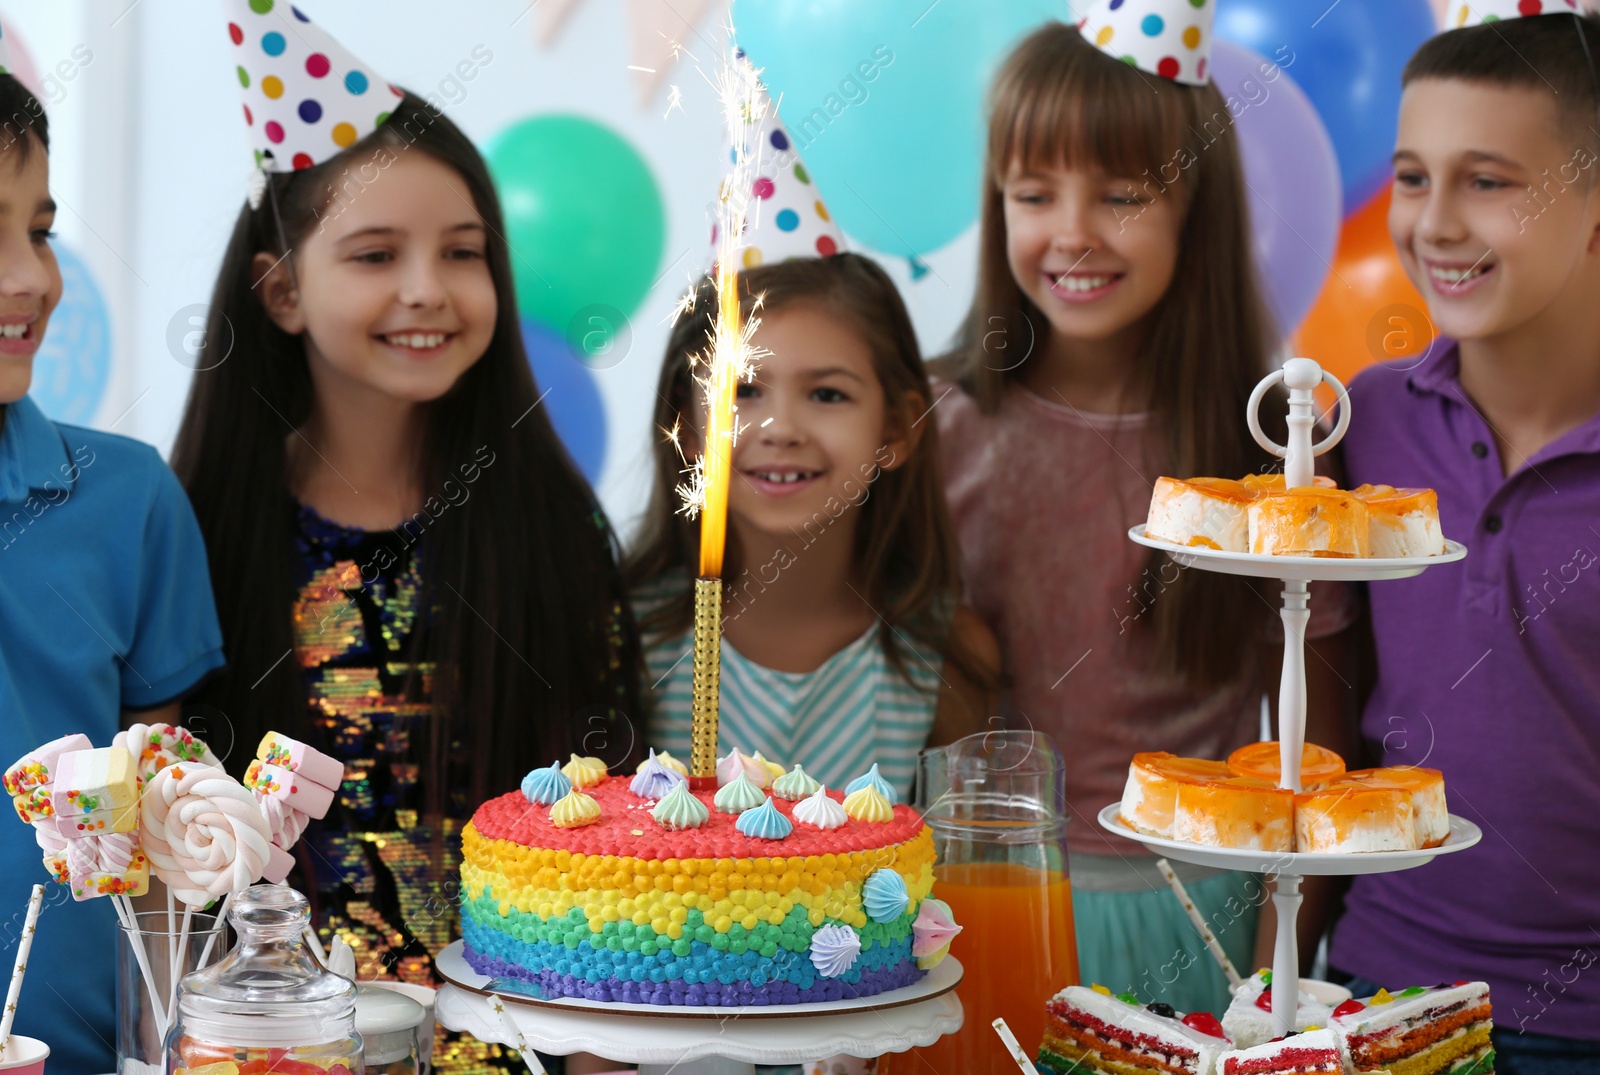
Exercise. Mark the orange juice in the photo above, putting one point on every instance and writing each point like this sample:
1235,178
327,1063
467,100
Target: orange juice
1017,948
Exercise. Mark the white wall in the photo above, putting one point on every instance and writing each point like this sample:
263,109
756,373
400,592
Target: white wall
150,162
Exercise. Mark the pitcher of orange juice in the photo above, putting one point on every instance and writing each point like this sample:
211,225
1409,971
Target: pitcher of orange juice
996,803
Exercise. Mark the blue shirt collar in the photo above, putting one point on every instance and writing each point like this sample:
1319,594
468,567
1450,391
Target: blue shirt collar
32,452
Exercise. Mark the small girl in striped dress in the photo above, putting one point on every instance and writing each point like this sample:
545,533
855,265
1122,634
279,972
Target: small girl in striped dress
844,643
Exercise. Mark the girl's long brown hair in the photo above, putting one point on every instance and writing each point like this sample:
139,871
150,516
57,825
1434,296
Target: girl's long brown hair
522,579
905,546
1058,101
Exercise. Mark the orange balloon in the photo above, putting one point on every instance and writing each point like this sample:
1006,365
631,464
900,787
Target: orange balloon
1368,310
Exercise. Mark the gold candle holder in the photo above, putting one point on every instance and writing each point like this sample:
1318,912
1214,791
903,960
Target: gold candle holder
707,676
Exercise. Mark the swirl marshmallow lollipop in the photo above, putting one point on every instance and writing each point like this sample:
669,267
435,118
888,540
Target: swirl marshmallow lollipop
203,833
156,746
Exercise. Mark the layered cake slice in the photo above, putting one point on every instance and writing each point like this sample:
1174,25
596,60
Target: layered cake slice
1309,1052
1091,1032
1443,1030
1248,1020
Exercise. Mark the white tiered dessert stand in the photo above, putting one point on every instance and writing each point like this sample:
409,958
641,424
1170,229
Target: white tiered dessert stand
1301,376
691,1040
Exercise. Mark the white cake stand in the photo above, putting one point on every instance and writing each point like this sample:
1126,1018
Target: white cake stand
892,1022
1301,376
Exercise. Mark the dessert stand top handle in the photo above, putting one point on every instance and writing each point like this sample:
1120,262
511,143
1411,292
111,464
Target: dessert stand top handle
1301,376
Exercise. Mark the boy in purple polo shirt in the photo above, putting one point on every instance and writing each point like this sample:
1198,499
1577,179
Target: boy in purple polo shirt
1490,670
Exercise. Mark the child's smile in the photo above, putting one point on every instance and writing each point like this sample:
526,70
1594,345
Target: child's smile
1493,208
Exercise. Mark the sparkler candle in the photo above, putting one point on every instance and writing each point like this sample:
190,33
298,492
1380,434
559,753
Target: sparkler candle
744,106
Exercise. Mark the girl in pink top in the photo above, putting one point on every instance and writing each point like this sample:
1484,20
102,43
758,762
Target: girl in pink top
1117,333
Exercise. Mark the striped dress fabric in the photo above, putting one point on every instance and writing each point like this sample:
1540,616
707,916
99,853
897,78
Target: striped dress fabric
836,721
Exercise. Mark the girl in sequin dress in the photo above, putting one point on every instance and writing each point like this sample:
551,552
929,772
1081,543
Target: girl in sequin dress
411,572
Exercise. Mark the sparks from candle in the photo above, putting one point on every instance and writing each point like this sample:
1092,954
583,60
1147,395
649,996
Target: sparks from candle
731,357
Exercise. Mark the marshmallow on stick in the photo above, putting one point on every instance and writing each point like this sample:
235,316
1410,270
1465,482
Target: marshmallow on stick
156,746
109,865
95,792
203,833
28,779
292,783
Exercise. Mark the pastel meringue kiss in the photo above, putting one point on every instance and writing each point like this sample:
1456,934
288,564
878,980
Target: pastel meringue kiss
795,785
731,765
665,759
935,927
868,804
738,795
764,822
873,779
654,780
884,896
584,772
679,810
834,950
820,810
574,811
546,786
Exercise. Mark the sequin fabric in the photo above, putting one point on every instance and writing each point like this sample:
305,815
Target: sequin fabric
384,881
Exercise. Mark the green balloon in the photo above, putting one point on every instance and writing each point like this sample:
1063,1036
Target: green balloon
584,218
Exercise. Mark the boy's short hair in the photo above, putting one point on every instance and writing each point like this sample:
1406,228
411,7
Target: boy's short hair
21,114
1557,53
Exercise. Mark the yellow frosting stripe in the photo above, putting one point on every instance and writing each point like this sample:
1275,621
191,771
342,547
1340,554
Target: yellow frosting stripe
660,893
663,910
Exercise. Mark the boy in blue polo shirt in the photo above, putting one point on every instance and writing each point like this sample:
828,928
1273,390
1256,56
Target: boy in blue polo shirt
1490,670
105,604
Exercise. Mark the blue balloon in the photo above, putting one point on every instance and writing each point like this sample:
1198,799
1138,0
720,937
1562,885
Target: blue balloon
570,396
884,101
1347,58
73,363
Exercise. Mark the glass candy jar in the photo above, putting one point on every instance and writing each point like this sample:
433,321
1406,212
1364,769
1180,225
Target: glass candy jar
268,1007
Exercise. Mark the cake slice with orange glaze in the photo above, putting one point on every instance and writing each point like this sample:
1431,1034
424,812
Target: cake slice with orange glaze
1403,522
1153,781
1262,761
1204,512
1308,522
1429,812
1343,816
1235,811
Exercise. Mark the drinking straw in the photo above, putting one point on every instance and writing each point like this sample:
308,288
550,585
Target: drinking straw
1199,923
20,968
517,1042
1017,1054
130,922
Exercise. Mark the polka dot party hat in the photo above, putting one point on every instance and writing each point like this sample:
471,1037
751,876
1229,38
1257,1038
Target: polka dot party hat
1169,38
306,97
786,217
1462,13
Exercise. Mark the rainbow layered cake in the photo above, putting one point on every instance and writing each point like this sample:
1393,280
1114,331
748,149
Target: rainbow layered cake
1443,1030
636,889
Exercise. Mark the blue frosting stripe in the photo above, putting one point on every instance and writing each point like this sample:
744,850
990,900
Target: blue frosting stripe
704,964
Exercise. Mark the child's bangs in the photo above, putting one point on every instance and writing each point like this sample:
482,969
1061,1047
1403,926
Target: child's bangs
1070,108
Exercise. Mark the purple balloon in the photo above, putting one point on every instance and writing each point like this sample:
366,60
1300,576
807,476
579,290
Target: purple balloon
1296,204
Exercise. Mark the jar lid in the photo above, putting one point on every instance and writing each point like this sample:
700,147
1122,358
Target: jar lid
269,989
387,1023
